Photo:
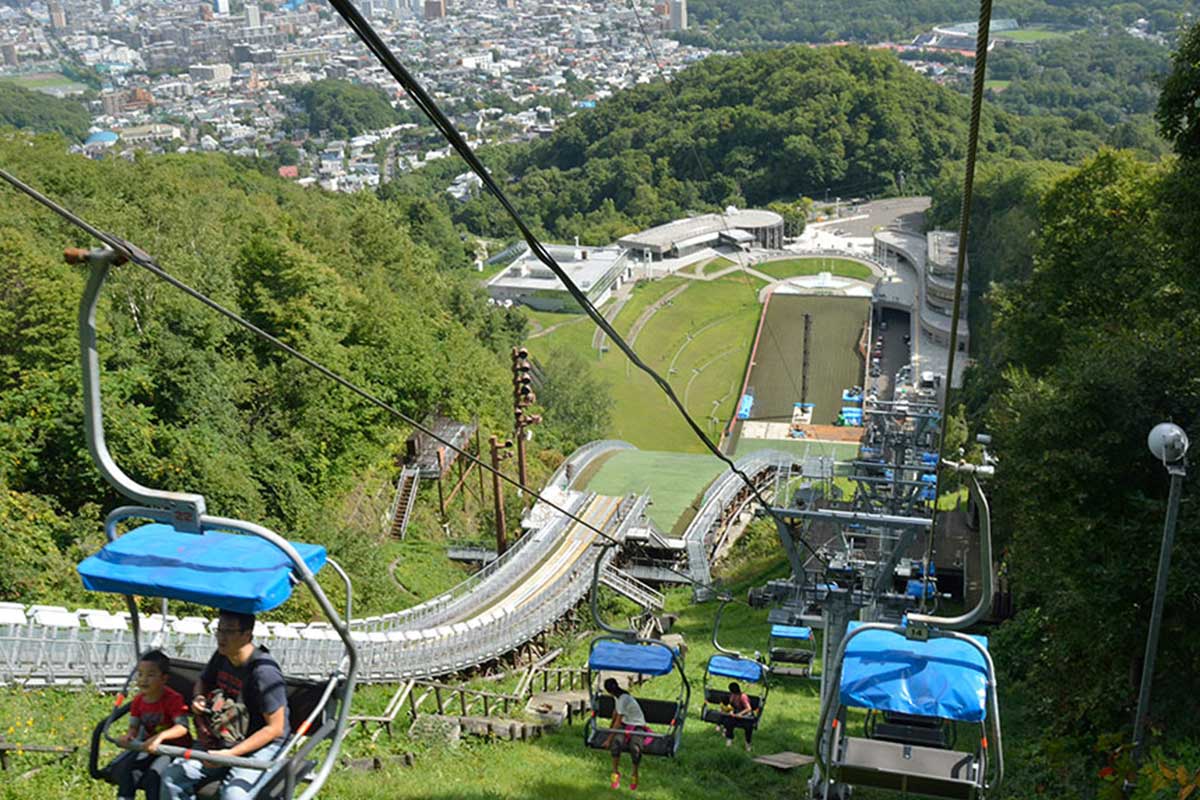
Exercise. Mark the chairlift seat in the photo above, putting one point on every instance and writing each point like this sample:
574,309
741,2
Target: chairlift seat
908,768
661,713
911,683
229,571
302,697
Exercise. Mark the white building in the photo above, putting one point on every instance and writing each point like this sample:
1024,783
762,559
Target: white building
597,271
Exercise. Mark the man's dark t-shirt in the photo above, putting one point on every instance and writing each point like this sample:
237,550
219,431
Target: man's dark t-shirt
259,682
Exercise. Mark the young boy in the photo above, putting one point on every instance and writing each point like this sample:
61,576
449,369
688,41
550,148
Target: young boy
159,715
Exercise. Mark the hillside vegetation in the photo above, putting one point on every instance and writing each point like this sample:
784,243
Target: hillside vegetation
749,130
25,108
193,403
750,22
1087,343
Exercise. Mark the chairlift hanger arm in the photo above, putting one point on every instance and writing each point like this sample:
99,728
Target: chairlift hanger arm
985,559
725,600
186,509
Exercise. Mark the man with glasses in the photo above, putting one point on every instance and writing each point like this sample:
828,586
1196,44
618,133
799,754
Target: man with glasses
245,674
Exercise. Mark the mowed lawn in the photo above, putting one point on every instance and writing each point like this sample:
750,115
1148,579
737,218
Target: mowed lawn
674,480
698,342
834,363
793,267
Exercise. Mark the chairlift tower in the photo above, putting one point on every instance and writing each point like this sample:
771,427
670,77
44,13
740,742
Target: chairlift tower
862,543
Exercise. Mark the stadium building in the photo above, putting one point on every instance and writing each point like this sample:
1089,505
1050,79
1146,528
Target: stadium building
741,228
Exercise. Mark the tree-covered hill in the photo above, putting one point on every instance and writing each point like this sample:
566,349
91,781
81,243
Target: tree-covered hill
749,22
191,402
23,108
341,108
751,129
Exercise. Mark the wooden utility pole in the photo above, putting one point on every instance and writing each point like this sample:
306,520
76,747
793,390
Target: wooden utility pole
499,452
523,397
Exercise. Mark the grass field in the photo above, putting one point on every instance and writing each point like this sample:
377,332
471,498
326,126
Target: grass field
841,451
698,342
675,480
792,267
716,265
51,82
998,86
1033,35
834,362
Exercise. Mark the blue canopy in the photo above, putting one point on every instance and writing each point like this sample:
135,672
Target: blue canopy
943,678
234,572
648,659
740,668
791,632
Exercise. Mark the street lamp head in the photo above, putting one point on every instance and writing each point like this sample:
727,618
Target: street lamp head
1167,442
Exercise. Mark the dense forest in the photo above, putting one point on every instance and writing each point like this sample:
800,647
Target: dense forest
1092,311
751,22
192,401
24,108
752,129
1106,83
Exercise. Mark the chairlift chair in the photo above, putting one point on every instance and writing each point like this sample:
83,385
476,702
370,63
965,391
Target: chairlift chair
731,664
229,564
791,651
914,692
918,681
624,651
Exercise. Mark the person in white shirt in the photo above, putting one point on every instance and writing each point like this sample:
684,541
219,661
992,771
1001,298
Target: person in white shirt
627,717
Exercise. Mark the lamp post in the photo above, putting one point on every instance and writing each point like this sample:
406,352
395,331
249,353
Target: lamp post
1169,444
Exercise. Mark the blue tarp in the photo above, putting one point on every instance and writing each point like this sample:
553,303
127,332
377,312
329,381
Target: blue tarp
791,632
744,407
739,668
939,678
913,588
648,659
224,570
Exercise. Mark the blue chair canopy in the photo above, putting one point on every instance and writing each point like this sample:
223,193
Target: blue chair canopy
235,572
609,655
944,678
743,669
791,632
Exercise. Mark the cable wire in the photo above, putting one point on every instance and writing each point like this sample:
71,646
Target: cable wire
964,222
429,107
144,260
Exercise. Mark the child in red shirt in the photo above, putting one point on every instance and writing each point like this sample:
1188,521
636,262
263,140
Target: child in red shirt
158,715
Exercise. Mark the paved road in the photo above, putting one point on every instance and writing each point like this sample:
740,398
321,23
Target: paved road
907,211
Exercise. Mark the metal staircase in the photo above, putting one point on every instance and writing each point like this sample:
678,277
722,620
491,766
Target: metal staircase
630,587
402,505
